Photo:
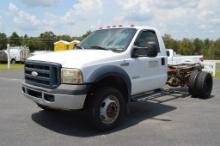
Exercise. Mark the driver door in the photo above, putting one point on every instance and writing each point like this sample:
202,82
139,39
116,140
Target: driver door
147,73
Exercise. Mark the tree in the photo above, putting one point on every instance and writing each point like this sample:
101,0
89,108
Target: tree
3,41
187,47
14,39
217,49
34,43
206,48
48,39
85,35
176,45
199,46
24,40
170,43
64,37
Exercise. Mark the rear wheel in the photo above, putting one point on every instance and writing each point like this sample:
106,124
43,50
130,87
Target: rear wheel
192,83
107,108
204,85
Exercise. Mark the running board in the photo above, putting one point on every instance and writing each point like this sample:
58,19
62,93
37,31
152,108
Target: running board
148,95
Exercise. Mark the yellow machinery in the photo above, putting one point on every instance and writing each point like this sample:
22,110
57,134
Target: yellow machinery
64,45
74,43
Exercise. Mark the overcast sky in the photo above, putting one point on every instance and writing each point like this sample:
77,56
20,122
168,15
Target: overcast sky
180,18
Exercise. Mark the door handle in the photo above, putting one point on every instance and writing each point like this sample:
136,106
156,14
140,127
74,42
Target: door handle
125,63
163,61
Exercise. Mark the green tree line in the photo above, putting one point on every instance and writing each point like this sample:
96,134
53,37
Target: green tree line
209,48
45,41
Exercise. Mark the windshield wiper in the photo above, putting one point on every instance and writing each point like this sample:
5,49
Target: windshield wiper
117,49
79,47
98,47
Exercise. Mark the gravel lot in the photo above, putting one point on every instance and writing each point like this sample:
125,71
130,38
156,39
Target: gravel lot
171,120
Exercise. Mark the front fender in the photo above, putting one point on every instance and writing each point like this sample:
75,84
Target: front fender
110,70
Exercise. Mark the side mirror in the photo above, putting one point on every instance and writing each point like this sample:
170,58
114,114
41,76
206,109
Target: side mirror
150,51
139,52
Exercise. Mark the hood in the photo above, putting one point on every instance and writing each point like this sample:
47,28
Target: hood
74,58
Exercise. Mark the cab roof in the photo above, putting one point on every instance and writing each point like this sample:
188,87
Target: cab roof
128,26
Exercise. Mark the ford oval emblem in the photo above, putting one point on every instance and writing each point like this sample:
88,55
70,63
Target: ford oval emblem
34,73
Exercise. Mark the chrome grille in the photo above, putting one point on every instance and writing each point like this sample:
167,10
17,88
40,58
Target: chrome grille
42,74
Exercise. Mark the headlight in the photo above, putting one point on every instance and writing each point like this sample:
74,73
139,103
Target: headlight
71,76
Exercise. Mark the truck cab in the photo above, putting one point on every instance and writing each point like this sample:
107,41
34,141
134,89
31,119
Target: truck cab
105,72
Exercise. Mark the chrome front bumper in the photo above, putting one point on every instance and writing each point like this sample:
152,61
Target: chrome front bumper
65,97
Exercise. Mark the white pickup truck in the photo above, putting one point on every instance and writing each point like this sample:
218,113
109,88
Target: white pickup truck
175,59
110,68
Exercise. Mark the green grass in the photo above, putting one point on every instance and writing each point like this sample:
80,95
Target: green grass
12,67
217,75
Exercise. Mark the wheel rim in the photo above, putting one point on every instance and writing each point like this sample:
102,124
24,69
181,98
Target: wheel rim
109,109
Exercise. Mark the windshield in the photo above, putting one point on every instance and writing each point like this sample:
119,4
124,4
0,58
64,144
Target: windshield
116,39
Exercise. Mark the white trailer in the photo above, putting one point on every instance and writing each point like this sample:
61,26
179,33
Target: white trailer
17,54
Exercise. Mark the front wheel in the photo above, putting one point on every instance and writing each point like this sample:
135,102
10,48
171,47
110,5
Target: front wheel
13,61
107,108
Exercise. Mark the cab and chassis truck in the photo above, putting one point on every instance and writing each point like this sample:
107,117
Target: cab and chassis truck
110,68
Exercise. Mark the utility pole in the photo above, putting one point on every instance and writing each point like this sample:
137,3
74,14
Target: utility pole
8,50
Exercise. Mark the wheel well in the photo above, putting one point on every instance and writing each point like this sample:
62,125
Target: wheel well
110,81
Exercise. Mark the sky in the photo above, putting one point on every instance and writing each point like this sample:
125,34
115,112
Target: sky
180,18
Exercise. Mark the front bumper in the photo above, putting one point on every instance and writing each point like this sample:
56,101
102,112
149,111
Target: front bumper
64,97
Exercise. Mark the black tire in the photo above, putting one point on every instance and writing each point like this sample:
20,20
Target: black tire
192,83
97,103
204,85
13,61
